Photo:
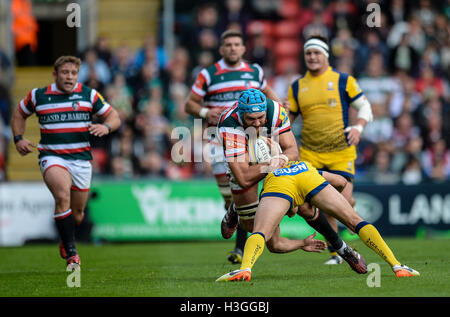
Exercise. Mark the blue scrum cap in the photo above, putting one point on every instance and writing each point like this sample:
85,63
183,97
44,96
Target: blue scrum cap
252,100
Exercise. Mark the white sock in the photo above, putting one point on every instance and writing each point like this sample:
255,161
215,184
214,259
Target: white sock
341,250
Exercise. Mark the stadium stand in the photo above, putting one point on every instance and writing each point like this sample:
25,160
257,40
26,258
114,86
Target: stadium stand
403,67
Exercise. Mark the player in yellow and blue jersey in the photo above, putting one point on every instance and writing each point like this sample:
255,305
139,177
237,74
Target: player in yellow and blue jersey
296,186
322,97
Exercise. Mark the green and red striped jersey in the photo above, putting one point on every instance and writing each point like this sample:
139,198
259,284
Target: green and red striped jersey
220,85
64,119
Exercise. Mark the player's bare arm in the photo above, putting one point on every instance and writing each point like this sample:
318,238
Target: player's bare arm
246,175
111,123
23,146
194,107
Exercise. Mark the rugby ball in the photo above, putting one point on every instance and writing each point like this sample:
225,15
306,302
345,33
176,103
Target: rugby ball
258,150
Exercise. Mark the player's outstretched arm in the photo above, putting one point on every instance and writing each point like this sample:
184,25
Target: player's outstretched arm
313,245
23,146
246,175
194,107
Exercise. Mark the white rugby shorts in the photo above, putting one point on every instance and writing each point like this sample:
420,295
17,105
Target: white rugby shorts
79,170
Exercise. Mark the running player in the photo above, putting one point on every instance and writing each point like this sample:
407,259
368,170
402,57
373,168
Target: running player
293,185
217,88
65,110
322,98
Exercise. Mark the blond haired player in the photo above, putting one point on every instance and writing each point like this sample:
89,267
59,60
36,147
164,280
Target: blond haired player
322,98
65,110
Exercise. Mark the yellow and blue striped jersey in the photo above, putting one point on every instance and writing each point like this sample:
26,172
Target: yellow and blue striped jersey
323,102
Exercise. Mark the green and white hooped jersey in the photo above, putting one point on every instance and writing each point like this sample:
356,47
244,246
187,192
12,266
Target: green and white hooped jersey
220,85
64,119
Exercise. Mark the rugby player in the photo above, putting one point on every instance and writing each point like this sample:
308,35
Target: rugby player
300,184
65,110
216,89
322,98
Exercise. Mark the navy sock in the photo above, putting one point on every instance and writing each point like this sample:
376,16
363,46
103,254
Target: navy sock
241,238
65,223
321,224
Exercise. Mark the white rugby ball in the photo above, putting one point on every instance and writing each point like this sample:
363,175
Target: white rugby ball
258,150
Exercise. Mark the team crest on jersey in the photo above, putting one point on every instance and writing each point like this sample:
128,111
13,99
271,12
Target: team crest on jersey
76,105
330,85
332,102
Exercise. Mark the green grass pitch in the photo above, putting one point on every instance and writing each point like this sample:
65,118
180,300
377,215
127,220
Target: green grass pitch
189,269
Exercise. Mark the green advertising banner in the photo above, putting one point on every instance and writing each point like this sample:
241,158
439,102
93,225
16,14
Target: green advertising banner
165,210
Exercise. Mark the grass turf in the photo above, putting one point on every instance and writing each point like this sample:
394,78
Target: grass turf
189,269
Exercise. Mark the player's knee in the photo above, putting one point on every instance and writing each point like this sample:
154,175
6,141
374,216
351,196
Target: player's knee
62,199
306,211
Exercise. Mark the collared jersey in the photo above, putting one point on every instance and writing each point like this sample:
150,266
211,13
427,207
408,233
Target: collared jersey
64,119
220,85
231,130
323,102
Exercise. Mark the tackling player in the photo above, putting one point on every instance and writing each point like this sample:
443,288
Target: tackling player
255,115
217,88
65,110
322,98
290,187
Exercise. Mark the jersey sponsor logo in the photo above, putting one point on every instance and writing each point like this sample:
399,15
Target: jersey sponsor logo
61,117
291,170
75,97
227,96
246,76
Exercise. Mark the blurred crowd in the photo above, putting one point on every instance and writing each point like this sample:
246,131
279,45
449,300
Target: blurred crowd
402,65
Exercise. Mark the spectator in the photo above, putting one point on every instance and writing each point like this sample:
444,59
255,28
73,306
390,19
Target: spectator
151,52
371,44
397,12
429,85
412,173
378,87
436,161
234,11
103,50
404,57
93,67
155,128
25,29
404,130
406,99
152,164
122,62
142,81
121,96
381,172
124,162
